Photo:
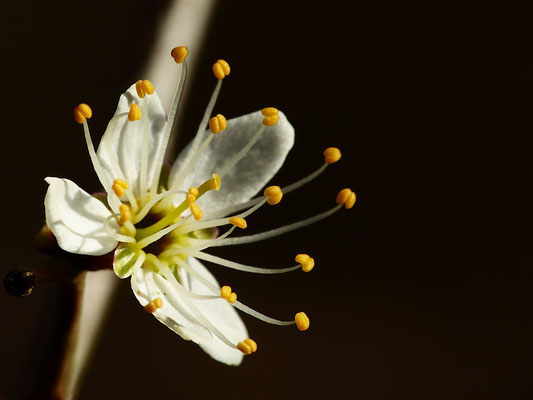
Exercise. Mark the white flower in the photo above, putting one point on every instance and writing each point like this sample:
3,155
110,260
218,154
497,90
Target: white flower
159,224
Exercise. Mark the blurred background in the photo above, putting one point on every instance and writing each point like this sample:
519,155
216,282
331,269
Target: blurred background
405,302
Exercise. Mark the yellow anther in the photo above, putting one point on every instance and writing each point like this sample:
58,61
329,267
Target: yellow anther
119,187
302,321
196,212
343,196
238,222
301,258
190,199
244,347
252,344
140,89
158,302
135,112
193,190
269,111
221,69
218,123
271,121
179,53
82,112
225,292
125,214
274,194
332,155
308,265
307,262
350,201
148,87
150,307
232,298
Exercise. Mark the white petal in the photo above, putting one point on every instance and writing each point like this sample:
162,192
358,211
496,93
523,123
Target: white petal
123,139
220,313
251,173
174,313
77,219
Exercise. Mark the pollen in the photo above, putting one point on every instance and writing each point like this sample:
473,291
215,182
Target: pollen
191,199
150,307
346,197
144,87
238,222
82,112
332,155
350,201
274,194
125,214
252,344
218,123
248,346
193,190
179,53
343,195
221,69
196,212
226,293
158,302
302,321
135,112
271,120
119,187
269,111
307,262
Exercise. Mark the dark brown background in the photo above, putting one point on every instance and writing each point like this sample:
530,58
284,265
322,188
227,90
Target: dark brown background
407,301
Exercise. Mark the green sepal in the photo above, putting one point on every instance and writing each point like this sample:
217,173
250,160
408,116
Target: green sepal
125,258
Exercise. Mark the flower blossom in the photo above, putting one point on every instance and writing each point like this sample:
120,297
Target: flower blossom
159,222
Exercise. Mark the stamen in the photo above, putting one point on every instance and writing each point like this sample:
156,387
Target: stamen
241,267
135,112
112,200
332,155
152,306
141,214
307,262
179,53
238,222
106,145
226,293
190,199
274,194
82,112
221,69
200,133
196,212
277,231
240,306
197,313
143,88
346,197
247,347
179,56
125,214
302,321
218,123
119,187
